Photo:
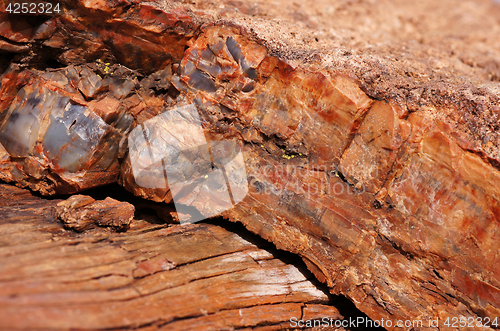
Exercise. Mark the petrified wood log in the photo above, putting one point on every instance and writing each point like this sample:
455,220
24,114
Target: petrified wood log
191,277
372,154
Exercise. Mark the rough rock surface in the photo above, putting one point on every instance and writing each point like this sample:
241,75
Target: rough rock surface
153,277
369,129
80,212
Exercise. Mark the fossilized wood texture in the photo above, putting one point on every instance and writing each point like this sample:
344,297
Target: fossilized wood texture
81,212
194,277
382,174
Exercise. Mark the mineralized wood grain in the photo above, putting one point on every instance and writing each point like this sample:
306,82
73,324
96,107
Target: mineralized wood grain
369,130
81,212
192,277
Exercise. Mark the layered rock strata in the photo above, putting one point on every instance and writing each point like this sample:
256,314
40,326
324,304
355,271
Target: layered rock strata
382,175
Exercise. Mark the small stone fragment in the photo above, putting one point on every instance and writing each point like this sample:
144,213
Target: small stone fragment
90,83
81,212
108,109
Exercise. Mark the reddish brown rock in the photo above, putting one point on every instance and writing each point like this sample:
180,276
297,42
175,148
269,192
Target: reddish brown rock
371,145
81,212
152,277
